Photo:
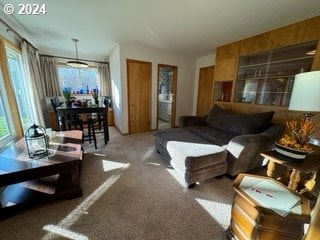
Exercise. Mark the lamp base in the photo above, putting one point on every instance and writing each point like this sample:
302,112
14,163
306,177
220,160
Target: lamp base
308,115
290,154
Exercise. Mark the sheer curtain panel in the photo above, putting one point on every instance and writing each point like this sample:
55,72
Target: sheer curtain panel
49,74
104,79
32,65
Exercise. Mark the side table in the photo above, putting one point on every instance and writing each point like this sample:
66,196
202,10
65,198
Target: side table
292,176
250,219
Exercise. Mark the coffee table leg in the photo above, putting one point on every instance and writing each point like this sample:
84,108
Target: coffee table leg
69,185
294,179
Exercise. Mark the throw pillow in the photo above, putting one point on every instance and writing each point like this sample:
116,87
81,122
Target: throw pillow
252,123
221,119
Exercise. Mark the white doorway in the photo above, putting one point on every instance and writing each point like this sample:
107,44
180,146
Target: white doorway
167,84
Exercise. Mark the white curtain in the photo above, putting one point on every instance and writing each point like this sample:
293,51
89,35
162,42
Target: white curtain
37,90
104,79
49,73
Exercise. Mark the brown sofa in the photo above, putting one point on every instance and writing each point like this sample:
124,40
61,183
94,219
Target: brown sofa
243,136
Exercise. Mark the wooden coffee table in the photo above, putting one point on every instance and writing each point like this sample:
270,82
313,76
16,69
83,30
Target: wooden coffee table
25,180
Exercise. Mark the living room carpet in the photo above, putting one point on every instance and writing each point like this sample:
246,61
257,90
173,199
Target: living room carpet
128,193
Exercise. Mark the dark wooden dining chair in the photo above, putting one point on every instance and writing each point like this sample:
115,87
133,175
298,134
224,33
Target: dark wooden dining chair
102,119
56,103
70,121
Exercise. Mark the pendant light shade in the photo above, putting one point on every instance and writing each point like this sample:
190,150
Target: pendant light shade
77,63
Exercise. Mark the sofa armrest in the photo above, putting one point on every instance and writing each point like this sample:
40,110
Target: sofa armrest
244,150
186,121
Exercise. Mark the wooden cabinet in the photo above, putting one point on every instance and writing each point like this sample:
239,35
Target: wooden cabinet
254,44
222,91
268,77
53,121
226,69
251,220
226,62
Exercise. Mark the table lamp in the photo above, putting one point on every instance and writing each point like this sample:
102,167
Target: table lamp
305,97
306,93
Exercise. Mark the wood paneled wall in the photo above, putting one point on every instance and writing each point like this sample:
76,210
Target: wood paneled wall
227,60
226,68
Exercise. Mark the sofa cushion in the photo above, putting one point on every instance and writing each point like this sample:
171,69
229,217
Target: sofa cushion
213,135
193,156
252,123
221,119
177,134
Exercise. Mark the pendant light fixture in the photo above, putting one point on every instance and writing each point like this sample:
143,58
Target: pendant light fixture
76,63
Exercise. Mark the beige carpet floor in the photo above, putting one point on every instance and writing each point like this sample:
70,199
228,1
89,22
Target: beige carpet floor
129,193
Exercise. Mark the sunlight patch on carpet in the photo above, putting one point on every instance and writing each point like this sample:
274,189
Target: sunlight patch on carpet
220,212
111,165
64,232
155,164
147,154
82,209
179,178
99,154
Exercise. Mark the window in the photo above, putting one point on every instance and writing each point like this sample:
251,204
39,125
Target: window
80,80
20,88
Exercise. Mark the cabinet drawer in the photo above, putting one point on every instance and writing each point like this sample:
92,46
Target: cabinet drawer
247,226
264,224
266,219
237,232
250,210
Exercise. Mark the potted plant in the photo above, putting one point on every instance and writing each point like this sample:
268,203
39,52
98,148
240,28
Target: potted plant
67,95
95,95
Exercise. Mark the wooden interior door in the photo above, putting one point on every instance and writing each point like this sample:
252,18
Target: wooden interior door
205,90
139,96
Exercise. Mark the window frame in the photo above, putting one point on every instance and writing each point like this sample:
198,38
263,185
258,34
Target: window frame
8,98
7,114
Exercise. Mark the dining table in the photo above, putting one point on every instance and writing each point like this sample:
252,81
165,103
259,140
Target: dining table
78,109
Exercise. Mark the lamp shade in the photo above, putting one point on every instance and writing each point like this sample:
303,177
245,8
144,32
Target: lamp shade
306,92
315,138
77,64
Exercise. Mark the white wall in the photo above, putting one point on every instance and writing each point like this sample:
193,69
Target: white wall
201,62
116,84
185,80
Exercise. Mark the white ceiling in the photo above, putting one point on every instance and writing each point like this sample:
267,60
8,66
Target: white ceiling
187,27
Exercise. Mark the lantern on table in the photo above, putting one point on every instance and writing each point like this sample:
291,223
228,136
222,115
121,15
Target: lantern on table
36,141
